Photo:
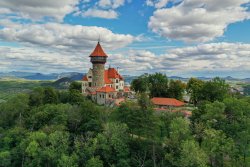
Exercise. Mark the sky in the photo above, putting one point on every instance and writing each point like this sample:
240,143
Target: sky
187,38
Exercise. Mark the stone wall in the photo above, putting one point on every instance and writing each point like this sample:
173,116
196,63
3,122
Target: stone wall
98,75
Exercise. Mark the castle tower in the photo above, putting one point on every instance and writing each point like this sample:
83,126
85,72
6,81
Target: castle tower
98,59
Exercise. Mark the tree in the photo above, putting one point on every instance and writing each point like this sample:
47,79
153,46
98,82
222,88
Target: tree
77,86
50,96
215,90
194,88
217,146
192,155
94,162
12,112
179,132
176,89
36,97
158,85
5,158
140,84
112,145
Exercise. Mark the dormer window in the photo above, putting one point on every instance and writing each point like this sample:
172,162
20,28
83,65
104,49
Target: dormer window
117,80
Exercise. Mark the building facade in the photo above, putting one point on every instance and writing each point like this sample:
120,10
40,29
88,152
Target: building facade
104,86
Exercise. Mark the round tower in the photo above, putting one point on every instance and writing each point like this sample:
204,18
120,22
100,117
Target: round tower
98,59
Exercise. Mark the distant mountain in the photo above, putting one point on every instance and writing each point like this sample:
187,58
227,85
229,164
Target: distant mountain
16,74
74,76
40,76
62,83
178,78
229,78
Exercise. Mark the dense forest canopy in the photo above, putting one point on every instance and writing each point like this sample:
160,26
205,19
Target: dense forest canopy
51,128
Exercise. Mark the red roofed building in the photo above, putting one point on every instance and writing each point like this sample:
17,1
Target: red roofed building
99,83
166,102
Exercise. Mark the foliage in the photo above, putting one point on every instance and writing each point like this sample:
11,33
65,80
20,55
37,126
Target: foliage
47,127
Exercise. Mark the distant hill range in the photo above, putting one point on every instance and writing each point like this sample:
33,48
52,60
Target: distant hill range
39,76
74,76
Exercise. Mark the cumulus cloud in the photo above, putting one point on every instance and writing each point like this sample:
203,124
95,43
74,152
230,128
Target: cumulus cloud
197,21
103,9
106,14
160,3
111,3
213,57
72,38
37,60
229,58
39,9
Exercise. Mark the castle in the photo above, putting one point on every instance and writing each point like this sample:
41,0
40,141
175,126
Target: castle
105,87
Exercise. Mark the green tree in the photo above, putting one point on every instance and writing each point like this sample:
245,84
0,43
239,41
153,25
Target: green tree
36,97
12,112
217,146
176,89
77,86
192,155
5,158
140,84
158,85
112,145
215,90
50,96
94,162
194,88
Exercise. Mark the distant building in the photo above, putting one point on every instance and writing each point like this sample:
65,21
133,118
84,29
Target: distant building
104,86
170,105
161,102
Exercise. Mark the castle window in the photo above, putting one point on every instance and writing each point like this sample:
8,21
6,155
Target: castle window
116,87
117,81
90,77
100,95
103,95
89,84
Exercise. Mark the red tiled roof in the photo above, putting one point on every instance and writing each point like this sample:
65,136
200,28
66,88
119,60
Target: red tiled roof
112,73
106,89
85,78
167,102
98,51
126,89
106,78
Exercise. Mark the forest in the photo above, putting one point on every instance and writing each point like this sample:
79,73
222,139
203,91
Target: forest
52,128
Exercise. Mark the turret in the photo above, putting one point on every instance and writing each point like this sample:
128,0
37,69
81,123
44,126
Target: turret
98,59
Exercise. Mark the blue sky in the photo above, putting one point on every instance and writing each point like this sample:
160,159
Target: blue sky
176,37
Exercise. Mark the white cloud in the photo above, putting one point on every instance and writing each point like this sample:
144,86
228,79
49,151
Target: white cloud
160,3
197,21
38,9
230,58
111,3
106,9
71,38
205,58
106,14
37,60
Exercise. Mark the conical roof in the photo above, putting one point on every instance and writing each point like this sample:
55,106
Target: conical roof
98,51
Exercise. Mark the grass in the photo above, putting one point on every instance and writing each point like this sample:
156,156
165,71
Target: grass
11,87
